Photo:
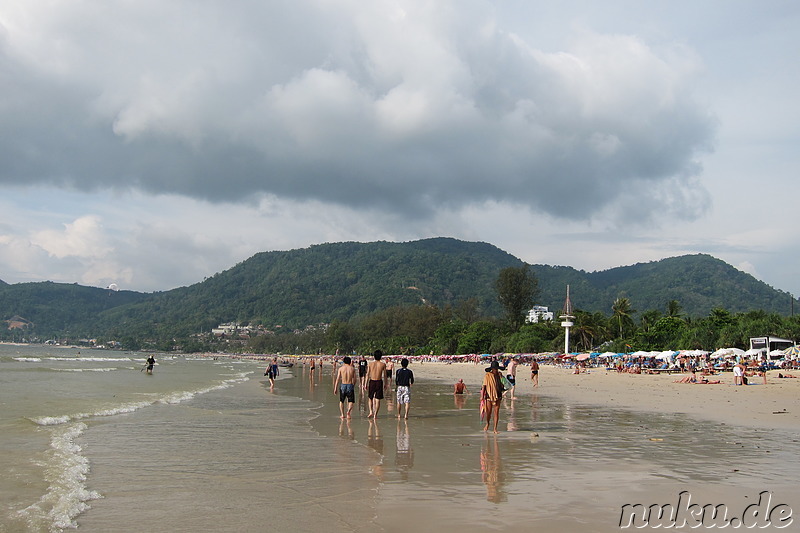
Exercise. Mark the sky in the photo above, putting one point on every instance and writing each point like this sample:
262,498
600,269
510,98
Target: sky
152,144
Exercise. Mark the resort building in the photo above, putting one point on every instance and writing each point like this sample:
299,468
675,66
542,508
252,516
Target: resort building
539,313
769,344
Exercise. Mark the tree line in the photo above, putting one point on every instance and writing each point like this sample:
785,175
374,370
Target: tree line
461,329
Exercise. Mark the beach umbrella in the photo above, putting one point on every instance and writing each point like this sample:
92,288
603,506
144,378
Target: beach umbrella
583,357
666,355
792,352
726,352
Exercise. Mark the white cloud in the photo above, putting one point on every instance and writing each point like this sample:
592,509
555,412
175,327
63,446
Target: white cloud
80,238
164,142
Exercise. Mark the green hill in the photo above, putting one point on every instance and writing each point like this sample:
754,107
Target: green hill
345,280
698,282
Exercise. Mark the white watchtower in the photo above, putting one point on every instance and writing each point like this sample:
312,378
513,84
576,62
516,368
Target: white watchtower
566,321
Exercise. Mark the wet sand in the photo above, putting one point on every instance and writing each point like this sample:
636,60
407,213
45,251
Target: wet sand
573,452
775,405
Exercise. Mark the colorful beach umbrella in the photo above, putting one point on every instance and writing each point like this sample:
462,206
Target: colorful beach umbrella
792,352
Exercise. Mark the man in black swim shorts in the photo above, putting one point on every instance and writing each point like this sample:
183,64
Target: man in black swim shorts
375,372
345,380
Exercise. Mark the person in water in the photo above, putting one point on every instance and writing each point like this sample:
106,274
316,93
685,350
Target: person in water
272,372
151,362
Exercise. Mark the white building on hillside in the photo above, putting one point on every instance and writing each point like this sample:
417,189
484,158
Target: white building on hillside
539,313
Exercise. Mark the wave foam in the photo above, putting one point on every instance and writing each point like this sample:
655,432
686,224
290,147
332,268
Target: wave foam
65,471
130,407
83,369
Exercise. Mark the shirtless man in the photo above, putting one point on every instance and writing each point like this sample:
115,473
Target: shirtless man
389,368
376,370
511,368
346,382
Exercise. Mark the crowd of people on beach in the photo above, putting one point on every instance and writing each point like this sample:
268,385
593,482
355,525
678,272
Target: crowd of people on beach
375,377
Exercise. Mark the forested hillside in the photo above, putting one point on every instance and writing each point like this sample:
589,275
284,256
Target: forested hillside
343,281
698,282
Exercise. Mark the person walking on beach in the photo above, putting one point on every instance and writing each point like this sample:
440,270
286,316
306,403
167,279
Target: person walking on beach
272,372
404,378
511,368
389,368
376,370
492,394
151,362
346,382
362,372
535,373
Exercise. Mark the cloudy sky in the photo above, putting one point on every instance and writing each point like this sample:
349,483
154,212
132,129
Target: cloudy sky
150,144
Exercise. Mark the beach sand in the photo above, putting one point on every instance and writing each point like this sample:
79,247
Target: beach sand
775,405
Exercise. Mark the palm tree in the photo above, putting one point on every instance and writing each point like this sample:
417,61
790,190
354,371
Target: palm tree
622,313
674,308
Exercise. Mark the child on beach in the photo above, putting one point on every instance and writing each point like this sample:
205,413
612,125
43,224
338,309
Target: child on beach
403,379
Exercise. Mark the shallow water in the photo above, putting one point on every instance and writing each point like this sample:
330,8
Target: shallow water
555,465
205,445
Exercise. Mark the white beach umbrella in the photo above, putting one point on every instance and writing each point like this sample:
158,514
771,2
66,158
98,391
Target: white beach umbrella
727,352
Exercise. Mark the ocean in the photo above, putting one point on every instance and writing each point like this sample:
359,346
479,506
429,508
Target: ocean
90,441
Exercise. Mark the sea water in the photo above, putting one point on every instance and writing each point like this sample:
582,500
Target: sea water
90,441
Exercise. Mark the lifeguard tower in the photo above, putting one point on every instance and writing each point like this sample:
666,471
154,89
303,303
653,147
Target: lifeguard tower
566,320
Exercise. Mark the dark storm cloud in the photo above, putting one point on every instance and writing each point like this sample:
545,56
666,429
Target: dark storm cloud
404,109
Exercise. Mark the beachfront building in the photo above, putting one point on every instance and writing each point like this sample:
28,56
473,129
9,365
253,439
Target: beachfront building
769,344
539,313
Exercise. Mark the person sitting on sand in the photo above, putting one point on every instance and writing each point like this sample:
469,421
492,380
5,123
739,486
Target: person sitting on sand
690,378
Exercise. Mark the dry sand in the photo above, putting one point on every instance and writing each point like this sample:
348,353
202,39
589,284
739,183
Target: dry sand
775,405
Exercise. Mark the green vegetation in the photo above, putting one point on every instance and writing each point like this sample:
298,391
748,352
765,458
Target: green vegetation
395,331
440,295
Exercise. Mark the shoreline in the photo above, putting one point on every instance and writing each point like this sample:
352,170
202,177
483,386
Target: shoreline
775,405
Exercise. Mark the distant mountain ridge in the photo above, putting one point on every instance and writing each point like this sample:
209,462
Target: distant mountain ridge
346,280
